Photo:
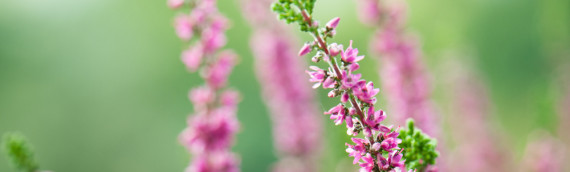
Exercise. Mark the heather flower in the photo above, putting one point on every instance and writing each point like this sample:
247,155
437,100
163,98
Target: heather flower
317,75
174,4
184,27
367,163
230,98
543,153
333,23
349,80
477,147
213,38
357,95
305,50
335,49
366,92
217,74
396,159
330,82
357,150
296,125
405,80
350,55
192,57
201,96
211,130
370,11
217,162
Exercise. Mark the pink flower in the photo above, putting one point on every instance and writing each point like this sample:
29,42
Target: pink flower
296,127
333,23
317,75
329,83
344,97
209,132
350,55
213,37
174,4
368,163
211,129
306,49
230,98
225,162
334,110
374,118
368,11
184,27
192,57
366,92
356,150
217,74
201,96
339,117
335,49
396,159
349,80
353,67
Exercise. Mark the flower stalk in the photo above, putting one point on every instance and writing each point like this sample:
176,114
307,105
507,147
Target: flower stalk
211,130
378,149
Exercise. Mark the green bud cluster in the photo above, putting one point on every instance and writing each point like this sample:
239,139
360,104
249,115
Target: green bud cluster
419,148
289,10
20,152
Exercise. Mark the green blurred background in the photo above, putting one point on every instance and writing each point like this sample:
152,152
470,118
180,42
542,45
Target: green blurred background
97,85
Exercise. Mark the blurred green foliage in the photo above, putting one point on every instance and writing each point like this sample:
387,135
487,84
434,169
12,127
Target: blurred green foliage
99,86
17,148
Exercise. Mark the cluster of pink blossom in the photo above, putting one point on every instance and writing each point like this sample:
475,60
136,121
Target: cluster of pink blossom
211,129
287,95
544,153
378,150
402,72
477,145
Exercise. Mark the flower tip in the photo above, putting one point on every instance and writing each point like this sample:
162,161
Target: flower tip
306,49
333,23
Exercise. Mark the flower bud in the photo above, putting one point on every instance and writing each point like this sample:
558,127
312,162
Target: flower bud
306,49
335,49
316,59
333,23
333,93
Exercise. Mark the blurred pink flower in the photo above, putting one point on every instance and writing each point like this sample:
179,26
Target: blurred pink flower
296,123
477,144
213,37
192,57
184,27
174,4
211,130
291,103
404,78
369,11
217,75
543,153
